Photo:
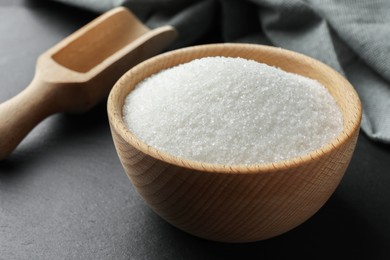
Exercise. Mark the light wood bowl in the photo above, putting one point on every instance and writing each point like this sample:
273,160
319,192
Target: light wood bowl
236,203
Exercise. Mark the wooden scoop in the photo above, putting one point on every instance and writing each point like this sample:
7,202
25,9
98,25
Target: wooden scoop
79,71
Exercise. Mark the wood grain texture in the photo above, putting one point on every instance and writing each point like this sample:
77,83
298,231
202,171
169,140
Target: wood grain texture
236,203
79,71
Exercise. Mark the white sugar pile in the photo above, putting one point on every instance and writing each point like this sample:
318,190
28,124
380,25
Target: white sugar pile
232,111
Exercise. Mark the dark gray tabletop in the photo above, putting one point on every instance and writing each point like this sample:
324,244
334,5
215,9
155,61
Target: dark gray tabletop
64,195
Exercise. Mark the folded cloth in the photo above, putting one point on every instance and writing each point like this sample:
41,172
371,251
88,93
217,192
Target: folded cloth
352,36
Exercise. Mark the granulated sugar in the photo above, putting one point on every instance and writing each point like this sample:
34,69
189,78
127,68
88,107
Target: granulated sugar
232,111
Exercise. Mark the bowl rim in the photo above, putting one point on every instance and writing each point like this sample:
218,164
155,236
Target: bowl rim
116,120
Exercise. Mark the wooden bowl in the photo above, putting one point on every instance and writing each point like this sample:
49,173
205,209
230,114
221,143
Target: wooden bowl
236,203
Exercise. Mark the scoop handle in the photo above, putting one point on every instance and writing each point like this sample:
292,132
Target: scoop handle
20,114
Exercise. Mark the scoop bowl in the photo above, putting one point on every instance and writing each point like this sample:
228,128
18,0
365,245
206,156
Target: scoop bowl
236,203
79,71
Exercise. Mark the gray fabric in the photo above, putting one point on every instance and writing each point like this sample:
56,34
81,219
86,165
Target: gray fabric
352,36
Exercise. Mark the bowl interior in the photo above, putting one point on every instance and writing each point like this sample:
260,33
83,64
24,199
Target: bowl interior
343,93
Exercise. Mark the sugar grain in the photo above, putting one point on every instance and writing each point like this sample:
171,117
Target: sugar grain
232,111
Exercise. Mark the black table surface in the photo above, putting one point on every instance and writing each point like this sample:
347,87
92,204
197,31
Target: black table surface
64,194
